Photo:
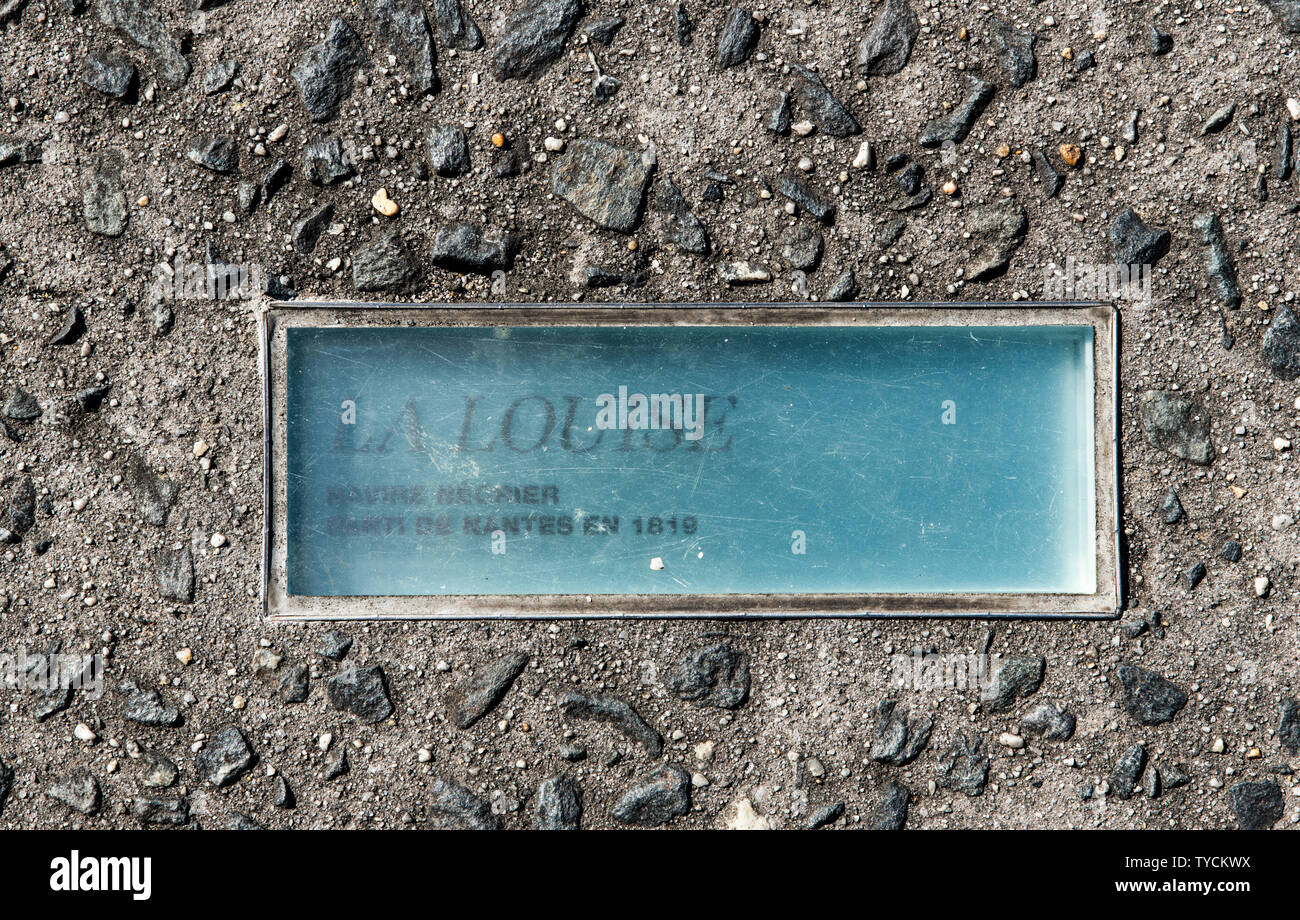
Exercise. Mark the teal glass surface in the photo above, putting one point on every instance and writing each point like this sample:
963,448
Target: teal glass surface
876,459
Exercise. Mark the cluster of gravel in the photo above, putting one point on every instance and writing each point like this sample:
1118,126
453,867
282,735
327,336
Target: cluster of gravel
551,151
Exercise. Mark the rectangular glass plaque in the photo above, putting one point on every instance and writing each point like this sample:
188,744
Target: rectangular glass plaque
593,461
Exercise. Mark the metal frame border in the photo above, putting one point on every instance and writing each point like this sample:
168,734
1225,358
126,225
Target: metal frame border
705,606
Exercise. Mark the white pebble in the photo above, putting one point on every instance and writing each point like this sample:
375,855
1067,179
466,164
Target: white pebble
866,156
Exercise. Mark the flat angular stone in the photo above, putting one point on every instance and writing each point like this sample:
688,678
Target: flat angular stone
1172,509
219,154
597,276
1219,119
219,76
225,757
533,38
1016,48
559,805
888,45
1283,152
74,326
1134,243
1128,770
153,494
295,684
387,264
176,575
455,28
613,711
21,406
1257,805
103,201
284,797
827,814
448,151
680,226
603,31
480,695
20,513
334,645
462,247
171,812
953,127
661,795
829,113
802,193
717,676
325,161
606,184
1281,344
843,288
1015,679
403,26
336,764
1049,722
1151,784
454,807
145,706
964,767
362,692
1149,698
738,38
778,119
325,74
275,179
998,228
890,812
141,22
1176,425
1048,177
307,229
1288,727
91,398
112,76
78,790
899,739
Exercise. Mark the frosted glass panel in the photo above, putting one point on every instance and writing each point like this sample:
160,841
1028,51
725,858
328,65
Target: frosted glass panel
683,460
